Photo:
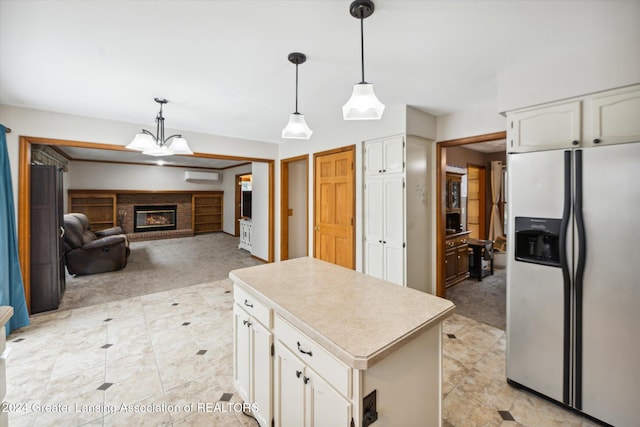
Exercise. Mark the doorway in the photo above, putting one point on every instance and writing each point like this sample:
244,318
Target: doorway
294,207
243,199
334,206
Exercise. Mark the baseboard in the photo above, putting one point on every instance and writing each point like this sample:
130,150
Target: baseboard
259,259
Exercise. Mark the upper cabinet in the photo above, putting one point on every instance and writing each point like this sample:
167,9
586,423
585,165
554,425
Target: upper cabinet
384,156
611,117
454,190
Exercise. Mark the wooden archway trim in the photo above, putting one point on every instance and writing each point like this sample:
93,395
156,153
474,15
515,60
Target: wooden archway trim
441,168
24,191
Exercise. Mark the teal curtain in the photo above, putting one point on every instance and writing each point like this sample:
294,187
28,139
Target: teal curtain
11,287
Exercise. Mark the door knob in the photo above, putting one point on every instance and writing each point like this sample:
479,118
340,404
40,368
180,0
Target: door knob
316,228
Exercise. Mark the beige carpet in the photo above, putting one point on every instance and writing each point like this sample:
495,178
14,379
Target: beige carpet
160,265
484,301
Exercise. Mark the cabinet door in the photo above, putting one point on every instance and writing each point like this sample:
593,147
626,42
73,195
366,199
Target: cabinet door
373,162
327,407
462,260
393,226
290,400
261,371
241,353
373,227
614,119
545,128
450,260
393,155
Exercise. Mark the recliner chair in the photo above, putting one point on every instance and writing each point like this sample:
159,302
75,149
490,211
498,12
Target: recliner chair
88,252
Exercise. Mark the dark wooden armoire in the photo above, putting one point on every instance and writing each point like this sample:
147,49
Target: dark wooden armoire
47,249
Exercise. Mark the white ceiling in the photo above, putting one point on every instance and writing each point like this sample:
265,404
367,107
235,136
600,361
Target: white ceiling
223,64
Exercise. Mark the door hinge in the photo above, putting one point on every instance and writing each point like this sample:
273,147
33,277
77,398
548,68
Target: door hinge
351,221
273,351
351,165
511,124
404,245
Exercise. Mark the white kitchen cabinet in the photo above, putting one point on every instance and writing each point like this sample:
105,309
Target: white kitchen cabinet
610,117
246,226
253,340
395,201
384,198
384,156
303,397
613,117
329,354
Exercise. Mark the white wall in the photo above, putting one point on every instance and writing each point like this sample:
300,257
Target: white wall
480,120
110,176
260,210
229,204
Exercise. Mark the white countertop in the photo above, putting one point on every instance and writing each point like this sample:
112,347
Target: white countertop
6,311
358,318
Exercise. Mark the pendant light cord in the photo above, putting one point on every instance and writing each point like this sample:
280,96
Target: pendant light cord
296,89
362,46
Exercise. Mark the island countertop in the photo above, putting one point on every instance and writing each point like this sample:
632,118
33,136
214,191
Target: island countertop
359,318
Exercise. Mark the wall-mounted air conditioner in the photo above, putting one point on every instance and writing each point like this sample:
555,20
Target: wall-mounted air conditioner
203,177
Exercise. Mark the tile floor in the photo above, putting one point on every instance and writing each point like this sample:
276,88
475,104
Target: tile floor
165,359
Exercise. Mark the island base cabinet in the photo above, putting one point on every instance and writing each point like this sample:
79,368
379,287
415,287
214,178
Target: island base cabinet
253,373
407,384
303,398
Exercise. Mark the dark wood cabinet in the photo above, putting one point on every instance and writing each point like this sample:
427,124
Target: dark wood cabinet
47,251
454,192
456,258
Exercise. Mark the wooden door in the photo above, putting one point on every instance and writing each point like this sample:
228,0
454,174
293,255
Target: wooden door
476,197
334,207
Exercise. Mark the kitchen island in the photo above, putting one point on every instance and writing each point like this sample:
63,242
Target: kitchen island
319,344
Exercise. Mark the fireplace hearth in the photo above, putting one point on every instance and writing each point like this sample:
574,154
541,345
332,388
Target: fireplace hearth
154,218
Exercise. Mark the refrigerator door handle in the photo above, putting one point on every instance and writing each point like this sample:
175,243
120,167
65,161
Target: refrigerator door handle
566,279
582,256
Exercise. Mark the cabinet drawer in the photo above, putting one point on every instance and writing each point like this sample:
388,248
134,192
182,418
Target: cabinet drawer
313,355
252,306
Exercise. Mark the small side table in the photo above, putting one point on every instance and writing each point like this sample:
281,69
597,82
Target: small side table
480,250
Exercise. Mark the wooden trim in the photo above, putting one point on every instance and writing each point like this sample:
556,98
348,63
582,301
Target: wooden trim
271,209
24,194
260,259
24,217
238,199
441,167
315,207
152,164
284,205
474,139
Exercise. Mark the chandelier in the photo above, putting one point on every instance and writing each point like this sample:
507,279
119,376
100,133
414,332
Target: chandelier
157,145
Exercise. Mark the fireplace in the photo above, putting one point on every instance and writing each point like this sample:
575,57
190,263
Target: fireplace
154,218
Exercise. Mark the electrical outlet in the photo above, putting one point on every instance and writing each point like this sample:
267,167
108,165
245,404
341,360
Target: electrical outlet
369,409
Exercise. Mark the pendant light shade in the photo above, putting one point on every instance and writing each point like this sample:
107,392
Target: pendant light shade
297,127
157,145
363,104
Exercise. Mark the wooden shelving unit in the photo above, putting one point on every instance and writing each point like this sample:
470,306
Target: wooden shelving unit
99,207
207,212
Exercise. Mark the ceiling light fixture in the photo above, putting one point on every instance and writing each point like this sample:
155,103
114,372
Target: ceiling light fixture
363,104
297,127
157,145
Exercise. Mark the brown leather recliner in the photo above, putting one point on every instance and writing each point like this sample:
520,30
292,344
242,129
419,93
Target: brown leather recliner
87,252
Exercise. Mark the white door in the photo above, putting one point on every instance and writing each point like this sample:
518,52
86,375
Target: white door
290,400
393,155
241,353
373,224
373,158
393,225
262,377
611,298
328,407
535,293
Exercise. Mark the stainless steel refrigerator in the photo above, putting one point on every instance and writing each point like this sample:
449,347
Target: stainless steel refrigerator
573,278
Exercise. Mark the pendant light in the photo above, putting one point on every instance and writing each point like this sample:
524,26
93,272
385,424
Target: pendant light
157,145
297,128
363,104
